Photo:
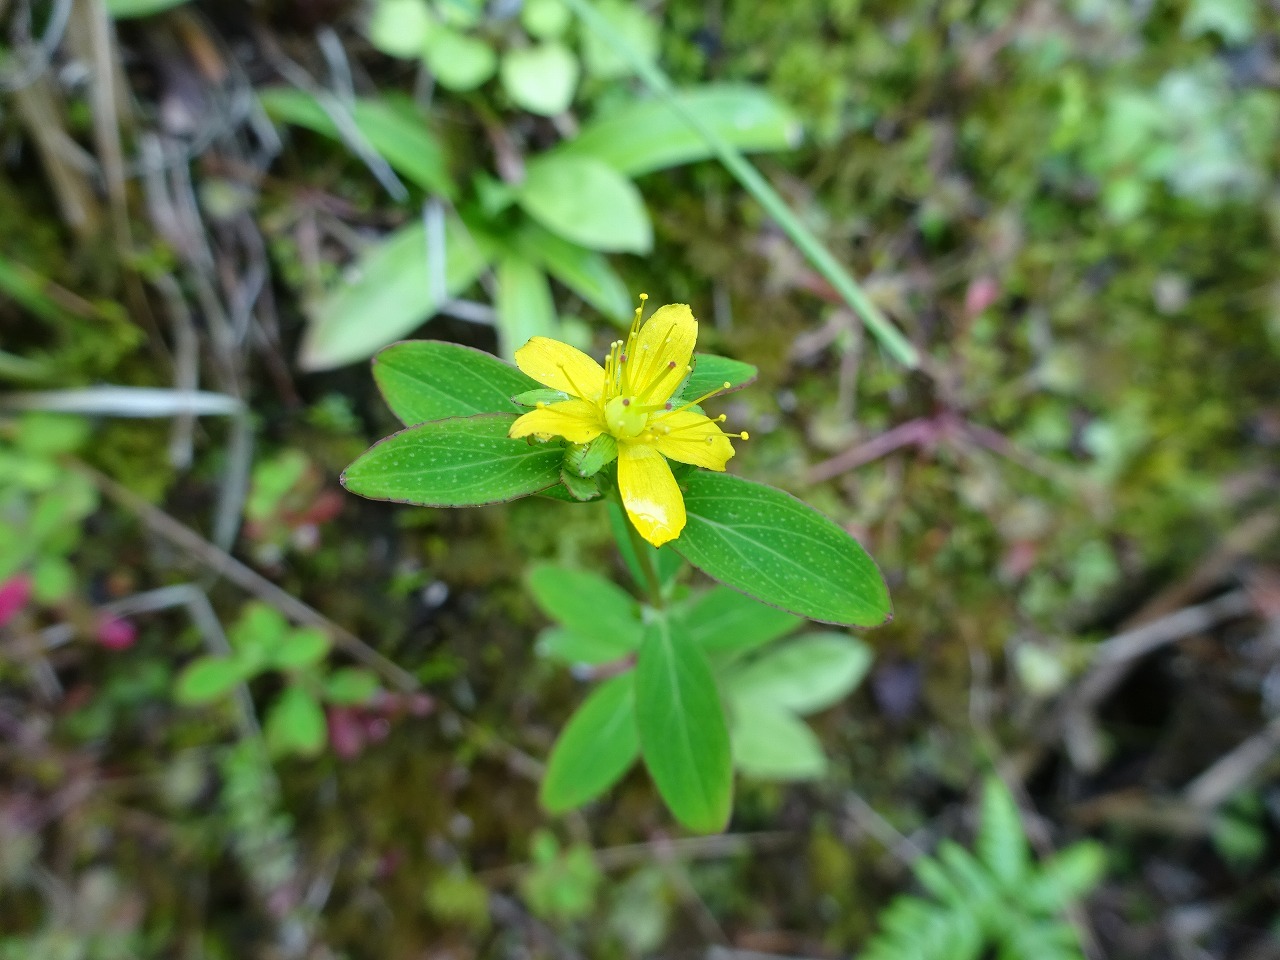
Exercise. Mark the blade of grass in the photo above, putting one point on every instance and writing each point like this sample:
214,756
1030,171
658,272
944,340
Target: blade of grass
742,170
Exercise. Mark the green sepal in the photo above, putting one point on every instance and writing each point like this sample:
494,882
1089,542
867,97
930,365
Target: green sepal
531,398
581,489
588,459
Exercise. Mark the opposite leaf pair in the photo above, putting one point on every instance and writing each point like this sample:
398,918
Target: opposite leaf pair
709,674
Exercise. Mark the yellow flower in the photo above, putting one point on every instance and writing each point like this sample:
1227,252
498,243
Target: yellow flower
629,398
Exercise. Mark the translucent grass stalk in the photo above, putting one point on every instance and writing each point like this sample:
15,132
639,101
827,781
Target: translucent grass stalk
889,337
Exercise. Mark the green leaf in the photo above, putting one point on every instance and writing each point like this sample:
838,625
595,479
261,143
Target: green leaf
459,61
541,78
712,373
648,135
586,202
425,380
1065,877
804,675
461,462
597,746
585,272
51,433
208,679
259,630
769,545
386,294
295,723
544,19
392,124
588,605
724,622
565,646
301,648
773,744
631,22
683,735
350,686
1001,843
525,307
399,28
128,9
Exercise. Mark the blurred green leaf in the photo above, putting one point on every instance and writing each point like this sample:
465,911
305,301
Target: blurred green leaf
425,380
524,304
541,78
773,744
683,735
51,433
208,679
589,606
724,622
544,19
586,202
585,272
597,746
350,686
399,28
1001,842
459,60
391,123
259,631
804,675
648,135
295,723
768,544
304,647
557,643
386,294
128,9
462,462
633,24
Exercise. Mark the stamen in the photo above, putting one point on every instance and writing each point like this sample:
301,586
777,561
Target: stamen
705,396
577,390
744,435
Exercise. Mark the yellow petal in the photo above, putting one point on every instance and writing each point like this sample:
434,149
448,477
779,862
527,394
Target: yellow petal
561,367
691,438
650,493
657,360
578,421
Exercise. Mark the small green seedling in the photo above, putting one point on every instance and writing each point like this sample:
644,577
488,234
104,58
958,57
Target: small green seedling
263,642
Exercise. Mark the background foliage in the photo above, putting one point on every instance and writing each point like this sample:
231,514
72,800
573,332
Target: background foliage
210,211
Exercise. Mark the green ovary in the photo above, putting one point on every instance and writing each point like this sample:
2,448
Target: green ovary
624,418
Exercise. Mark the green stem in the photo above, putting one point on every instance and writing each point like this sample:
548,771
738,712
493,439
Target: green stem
740,167
639,548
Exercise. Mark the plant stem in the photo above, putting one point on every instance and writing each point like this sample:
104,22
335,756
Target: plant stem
740,167
638,547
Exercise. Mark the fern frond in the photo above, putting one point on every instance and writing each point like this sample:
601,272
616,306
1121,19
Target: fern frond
1001,842
1066,876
